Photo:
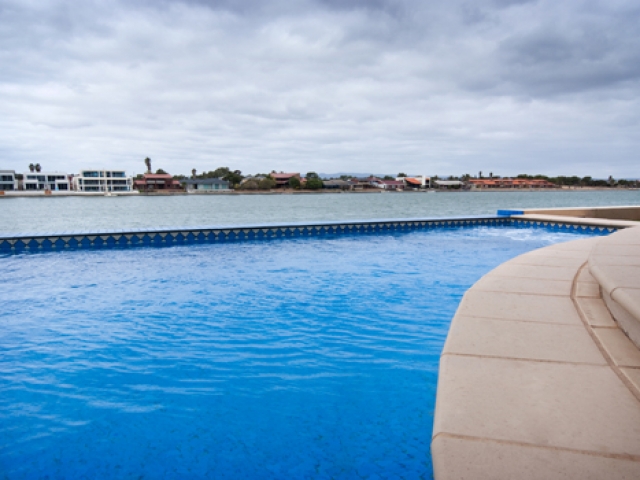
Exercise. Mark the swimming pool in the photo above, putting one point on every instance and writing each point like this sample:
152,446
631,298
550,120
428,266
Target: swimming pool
293,358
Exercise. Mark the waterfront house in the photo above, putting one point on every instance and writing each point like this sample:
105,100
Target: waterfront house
8,180
102,181
388,184
200,185
157,182
339,184
363,183
510,183
282,179
449,184
41,181
415,182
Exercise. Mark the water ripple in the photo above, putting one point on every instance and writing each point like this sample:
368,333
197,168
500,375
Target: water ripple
305,358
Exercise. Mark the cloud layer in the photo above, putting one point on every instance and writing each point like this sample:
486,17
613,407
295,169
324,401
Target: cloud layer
444,87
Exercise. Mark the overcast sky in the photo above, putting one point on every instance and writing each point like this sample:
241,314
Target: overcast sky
433,87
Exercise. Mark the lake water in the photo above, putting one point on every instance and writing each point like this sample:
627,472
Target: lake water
58,214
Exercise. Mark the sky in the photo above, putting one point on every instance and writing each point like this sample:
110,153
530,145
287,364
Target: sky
422,87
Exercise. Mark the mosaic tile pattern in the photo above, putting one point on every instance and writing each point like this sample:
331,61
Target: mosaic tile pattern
562,227
47,242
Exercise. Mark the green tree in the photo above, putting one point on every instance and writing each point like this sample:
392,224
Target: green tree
234,177
402,174
294,182
267,183
160,172
250,185
388,177
313,181
147,162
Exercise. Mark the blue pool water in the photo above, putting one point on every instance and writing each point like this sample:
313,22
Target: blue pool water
296,358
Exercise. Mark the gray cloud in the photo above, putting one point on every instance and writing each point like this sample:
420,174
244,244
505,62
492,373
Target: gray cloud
433,87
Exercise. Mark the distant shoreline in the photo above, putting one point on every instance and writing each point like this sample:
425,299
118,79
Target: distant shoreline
41,194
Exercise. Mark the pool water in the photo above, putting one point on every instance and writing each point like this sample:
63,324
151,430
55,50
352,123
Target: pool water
294,358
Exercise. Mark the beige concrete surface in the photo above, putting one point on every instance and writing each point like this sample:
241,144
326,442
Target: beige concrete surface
623,212
515,306
633,375
585,276
539,272
478,458
619,347
595,312
537,379
615,264
576,220
522,340
587,289
552,404
529,286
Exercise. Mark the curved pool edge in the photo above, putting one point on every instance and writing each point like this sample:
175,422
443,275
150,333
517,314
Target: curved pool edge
537,379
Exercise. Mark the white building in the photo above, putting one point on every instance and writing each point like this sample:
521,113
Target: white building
54,181
8,180
416,181
102,181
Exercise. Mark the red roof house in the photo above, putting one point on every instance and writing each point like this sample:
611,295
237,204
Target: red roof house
153,182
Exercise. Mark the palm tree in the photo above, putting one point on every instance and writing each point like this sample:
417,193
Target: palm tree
193,173
147,162
32,167
38,168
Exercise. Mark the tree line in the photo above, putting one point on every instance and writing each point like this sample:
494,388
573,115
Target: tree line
264,181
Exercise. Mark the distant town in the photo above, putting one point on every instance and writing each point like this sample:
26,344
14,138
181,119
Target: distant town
113,182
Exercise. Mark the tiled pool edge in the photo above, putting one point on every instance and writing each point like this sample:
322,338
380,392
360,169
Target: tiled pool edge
217,234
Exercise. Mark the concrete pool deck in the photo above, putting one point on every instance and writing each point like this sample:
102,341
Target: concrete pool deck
540,373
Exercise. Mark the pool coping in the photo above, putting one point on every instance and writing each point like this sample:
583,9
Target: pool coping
539,377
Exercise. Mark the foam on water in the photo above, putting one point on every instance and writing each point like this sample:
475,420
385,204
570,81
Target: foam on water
300,358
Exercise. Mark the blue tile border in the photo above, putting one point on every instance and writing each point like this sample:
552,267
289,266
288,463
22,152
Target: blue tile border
218,234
